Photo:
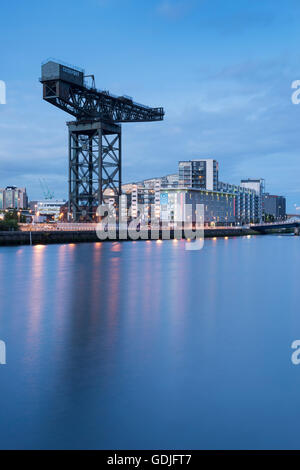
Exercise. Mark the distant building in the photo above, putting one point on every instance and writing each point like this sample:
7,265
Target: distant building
32,205
170,181
167,181
274,207
13,198
49,208
199,174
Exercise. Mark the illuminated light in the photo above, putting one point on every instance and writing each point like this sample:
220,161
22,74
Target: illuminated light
175,240
188,240
148,241
226,238
116,246
159,241
248,236
214,238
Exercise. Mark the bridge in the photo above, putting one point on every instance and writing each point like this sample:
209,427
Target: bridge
292,223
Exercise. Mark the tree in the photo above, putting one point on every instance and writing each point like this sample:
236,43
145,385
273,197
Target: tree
10,221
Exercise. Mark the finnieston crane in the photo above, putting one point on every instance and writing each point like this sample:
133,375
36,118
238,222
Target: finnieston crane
95,155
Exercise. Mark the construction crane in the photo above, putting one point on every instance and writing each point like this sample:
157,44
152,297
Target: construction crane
95,155
45,188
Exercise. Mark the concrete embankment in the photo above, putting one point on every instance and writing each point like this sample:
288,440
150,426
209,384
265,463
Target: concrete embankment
56,236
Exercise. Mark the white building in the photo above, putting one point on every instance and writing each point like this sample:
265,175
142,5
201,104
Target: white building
49,208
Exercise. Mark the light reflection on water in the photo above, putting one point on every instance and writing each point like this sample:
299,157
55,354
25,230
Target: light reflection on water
147,345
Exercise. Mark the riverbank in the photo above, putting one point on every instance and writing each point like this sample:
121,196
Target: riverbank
56,236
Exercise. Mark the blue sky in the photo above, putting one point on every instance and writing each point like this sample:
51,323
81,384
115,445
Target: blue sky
222,69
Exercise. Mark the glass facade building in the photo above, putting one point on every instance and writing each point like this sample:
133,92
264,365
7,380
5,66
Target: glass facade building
218,207
13,198
247,202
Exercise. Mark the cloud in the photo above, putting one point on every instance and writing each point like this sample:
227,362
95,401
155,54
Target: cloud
245,120
241,115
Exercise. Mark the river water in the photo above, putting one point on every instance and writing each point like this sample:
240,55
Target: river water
145,345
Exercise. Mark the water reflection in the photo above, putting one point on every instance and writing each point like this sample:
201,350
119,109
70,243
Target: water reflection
37,296
105,337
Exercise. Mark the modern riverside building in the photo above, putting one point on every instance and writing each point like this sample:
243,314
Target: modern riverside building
202,173
247,202
273,207
13,198
218,206
258,185
138,199
167,203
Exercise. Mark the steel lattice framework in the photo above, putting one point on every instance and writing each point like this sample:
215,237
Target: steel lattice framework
94,138
87,103
94,166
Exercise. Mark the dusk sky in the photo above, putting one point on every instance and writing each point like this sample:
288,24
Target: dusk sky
221,69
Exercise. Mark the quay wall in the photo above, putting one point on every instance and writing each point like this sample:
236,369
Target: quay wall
56,236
